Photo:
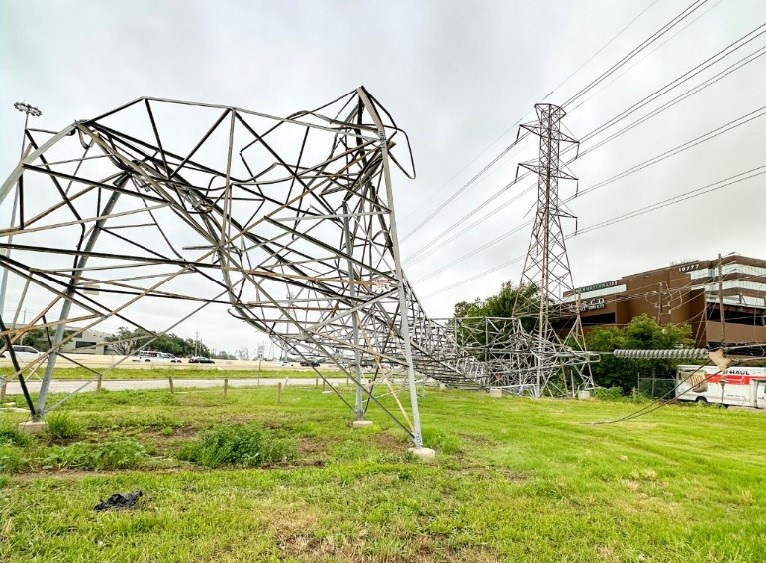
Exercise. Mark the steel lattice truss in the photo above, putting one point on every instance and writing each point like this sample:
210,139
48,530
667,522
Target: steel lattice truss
547,268
287,222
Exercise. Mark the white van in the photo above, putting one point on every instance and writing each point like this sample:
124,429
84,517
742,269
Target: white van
738,386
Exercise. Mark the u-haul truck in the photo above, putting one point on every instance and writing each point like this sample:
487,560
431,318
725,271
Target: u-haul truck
737,386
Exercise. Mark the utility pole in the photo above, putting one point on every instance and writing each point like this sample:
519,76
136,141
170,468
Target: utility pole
34,112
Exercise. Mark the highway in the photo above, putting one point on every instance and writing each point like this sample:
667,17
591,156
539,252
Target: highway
70,385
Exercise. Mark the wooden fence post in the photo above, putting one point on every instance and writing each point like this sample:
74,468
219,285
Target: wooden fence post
279,392
225,386
170,381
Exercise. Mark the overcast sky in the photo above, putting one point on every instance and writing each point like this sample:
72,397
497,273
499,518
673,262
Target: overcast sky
456,76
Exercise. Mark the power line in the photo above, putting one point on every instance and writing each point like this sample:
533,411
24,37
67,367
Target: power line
642,211
712,134
604,46
465,186
635,63
613,121
733,124
741,177
506,150
643,45
688,75
476,251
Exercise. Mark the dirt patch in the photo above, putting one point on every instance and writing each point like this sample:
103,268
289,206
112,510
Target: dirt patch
389,442
76,474
312,447
484,472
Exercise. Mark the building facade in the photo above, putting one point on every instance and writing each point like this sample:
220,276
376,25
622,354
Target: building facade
684,293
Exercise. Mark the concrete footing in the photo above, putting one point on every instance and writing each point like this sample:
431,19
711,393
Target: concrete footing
33,427
423,452
361,424
584,395
496,393
442,387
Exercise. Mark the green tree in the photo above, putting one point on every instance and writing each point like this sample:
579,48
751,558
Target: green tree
641,333
127,341
501,305
38,338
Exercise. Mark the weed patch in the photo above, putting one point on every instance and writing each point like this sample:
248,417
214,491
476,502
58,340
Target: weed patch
62,427
245,445
118,453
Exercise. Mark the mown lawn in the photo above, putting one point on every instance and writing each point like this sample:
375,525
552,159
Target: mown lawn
514,480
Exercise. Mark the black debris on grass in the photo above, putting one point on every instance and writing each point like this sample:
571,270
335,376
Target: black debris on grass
118,501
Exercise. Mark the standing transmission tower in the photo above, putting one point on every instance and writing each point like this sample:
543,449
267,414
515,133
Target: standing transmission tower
546,268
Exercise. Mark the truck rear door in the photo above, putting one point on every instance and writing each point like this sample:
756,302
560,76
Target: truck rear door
760,395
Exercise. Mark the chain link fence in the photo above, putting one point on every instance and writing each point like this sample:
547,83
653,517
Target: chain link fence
656,387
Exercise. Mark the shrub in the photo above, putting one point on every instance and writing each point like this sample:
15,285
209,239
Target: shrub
62,427
118,453
11,435
609,394
246,445
12,459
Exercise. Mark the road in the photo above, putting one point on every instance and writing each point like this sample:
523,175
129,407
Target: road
70,385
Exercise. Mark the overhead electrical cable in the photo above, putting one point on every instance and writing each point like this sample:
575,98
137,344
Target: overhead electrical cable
505,151
712,134
418,254
638,61
476,251
603,47
697,192
636,50
688,75
735,179
466,185
723,74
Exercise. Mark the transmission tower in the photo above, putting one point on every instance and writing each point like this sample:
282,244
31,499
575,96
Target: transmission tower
547,266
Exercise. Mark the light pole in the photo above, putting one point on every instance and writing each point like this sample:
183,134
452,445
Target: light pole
34,112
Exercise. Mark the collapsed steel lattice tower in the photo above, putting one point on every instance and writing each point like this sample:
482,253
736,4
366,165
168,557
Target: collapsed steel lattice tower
546,268
286,222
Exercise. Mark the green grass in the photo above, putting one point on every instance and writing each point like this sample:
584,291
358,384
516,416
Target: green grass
514,480
162,372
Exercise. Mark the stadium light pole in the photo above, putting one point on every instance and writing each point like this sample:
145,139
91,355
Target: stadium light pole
34,112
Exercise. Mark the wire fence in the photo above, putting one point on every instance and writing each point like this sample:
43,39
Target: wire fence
655,387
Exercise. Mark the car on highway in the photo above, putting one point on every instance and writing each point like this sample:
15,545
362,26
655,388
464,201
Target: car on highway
157,357
200,360
310,363
25,353
170,357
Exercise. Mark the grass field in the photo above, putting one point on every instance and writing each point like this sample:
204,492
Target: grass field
514,480
161,372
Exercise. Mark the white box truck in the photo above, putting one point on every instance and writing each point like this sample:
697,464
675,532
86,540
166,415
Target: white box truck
736,386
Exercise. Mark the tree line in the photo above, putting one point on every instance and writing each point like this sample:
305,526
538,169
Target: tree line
127,341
